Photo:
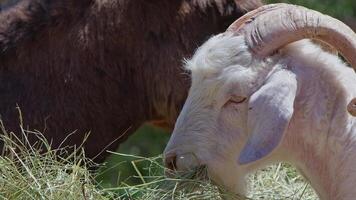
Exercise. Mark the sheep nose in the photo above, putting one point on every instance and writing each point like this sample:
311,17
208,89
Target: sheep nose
170,161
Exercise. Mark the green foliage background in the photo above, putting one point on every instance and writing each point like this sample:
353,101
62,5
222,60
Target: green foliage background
150,141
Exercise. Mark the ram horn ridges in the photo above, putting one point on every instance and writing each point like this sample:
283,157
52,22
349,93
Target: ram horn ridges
271,27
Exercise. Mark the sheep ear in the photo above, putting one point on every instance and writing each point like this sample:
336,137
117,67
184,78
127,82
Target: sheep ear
270,109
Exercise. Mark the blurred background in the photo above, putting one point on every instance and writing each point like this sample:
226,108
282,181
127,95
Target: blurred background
150,141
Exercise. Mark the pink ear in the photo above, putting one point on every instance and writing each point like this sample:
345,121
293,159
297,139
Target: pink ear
271,108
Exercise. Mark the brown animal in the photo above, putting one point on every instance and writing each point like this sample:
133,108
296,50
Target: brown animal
101,66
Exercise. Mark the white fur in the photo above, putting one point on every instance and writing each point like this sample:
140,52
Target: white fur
320,138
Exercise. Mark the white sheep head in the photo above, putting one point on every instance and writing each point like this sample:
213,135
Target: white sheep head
241,98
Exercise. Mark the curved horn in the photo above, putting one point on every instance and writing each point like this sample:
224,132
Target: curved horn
271,27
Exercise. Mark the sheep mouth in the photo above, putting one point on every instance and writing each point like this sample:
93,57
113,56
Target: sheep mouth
199,173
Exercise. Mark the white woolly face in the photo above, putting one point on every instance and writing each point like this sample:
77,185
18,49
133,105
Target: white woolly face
213,119
213,126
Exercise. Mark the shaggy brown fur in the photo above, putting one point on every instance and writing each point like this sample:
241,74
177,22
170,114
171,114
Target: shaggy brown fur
100,66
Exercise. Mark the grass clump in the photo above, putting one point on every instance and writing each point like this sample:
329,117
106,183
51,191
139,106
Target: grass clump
36,171
280,181
155,185
277,182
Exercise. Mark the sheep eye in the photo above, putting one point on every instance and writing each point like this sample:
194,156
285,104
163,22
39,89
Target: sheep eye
237,99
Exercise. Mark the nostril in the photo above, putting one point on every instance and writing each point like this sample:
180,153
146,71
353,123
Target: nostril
171,162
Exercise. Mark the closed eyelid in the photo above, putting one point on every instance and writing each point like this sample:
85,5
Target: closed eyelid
237,99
